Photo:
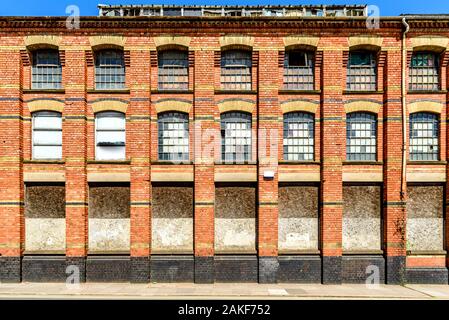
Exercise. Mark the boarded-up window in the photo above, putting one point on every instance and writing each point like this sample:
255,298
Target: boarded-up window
109,218
298,218
361,218
172,218
45,218
235,219
425,218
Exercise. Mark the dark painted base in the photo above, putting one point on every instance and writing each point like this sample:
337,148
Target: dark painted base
140,270
204,269
10,269
268,269
427,275
108,268
236,268
360,269
76,267
299,269
332,270
44,269
395,270
172,268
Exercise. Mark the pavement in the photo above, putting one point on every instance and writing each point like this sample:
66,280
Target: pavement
234,291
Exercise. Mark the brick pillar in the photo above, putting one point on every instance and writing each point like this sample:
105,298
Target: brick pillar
74,152
445,157
333,151
204,187
394,202
138,150
268,109
11,182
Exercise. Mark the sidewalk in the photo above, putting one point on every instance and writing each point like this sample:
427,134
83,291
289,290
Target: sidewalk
219,291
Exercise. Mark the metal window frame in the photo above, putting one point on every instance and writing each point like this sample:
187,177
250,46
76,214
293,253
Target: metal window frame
173,76
417,74
163,121
231,72
105,114
46,75
293,139
356,138
110,75
418,138
361,77
53,114
299,78
242,152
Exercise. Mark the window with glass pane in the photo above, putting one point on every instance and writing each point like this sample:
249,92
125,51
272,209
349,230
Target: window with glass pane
47,135
110,70
46,70
236,70
298,70
424,72
361,136
423,136
361,74
173,134
110,136
236,136
298,136
173,70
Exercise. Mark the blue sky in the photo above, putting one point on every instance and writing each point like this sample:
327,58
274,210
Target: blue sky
89,7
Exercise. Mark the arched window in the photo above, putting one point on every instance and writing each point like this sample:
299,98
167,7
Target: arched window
424,136
236,136
361,135
424,72
173,136
173,70
298,136
236,70
110,136
47,135
46,69
109,70
361,73
298,70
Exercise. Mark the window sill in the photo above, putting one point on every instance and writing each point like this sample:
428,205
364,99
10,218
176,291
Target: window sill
299,252
181,91
108,253
43,90
108,161
298,162
45,161
436,162
426,252
109,91
362,92
168,162
362,252
361,163
292,91
45,253
426,91
222,91
234,163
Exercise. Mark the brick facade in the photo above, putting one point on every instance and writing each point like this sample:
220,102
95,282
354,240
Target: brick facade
266,38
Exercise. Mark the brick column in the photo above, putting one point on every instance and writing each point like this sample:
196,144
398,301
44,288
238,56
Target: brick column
268,109
332,144
394,203
74,152
204,187
11,183
138,149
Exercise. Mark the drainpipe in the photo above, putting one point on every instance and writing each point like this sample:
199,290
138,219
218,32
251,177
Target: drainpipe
404,106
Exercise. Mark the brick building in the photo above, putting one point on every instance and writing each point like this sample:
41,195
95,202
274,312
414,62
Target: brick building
202,144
